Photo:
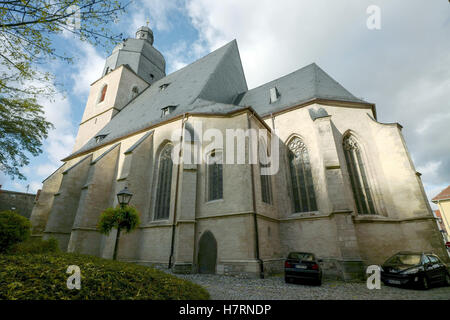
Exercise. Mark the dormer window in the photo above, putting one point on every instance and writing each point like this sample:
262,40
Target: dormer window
163,86
167,110
134,92
103,93
274,95
100,137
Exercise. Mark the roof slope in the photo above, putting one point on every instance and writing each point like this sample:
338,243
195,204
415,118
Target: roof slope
295,88
443,195
218,76
215,84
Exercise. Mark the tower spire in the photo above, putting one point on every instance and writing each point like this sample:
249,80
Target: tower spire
145,33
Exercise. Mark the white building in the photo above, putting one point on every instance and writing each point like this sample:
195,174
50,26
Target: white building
346,188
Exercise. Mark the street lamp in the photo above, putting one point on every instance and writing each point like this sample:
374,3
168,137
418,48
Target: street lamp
124,197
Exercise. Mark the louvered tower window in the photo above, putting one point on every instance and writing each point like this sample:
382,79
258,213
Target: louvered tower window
215,176
358,176
266,188
301,177
163,190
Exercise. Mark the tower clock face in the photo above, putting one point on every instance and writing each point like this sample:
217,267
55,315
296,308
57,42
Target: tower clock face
141,35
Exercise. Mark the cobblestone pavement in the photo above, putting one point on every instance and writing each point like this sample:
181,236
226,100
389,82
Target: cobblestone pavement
232,288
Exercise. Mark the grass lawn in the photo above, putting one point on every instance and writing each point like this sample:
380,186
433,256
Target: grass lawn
43,276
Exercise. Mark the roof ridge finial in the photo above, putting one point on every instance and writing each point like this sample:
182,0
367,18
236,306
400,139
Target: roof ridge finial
147,22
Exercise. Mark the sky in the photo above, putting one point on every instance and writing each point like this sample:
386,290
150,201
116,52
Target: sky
403,66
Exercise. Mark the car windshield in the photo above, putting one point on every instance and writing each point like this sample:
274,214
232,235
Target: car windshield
405,259
301,256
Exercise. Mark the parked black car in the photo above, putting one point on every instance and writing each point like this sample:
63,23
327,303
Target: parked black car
414,269
302,266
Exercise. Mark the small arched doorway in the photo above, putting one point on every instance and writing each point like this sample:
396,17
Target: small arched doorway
207,253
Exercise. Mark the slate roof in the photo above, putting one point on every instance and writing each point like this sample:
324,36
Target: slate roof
295,88
443,195
217,77
216,84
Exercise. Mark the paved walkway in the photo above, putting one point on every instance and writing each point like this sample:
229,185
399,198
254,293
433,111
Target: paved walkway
231,288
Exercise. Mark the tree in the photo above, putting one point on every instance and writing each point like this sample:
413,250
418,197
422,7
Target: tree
121,218
28,32
13,229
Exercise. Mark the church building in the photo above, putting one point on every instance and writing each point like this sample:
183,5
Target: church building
345,187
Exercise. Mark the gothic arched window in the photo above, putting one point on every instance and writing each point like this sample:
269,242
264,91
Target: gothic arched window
103,93
301,177
266,188
214,175
163,188
358,176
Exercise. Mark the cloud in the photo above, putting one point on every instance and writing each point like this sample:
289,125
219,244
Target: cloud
158,12
88,67
402,67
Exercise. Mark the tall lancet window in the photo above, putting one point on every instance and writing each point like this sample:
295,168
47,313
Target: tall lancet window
301,177
266,188
103,93
215,175
163,189
358,176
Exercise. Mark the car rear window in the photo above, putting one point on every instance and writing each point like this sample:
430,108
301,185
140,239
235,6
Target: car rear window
301,256
405,259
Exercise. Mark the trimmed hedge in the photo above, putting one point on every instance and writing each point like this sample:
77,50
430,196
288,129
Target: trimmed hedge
36,245
39,276
13,229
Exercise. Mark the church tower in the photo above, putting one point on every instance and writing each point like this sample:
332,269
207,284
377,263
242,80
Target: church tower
132,66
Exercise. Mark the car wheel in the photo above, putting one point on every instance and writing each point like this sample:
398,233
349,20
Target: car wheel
319,282
287,280
425,284
447,279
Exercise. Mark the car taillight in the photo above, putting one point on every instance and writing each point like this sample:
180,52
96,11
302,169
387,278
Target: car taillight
287,265
315,266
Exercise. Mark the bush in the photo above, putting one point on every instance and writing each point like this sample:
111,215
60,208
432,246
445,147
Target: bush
13,229
39,276
36,245
126,218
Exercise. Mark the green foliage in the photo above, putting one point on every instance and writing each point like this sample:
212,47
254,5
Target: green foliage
28,31
38,277
13,229
22,129
126,218
35,246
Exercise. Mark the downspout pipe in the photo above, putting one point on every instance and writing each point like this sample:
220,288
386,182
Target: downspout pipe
174,223
255,218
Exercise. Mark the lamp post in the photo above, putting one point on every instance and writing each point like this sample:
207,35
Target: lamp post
124,198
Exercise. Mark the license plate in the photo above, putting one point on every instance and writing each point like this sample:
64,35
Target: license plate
394,281
299,266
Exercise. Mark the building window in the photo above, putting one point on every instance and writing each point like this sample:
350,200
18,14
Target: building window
163,86
215,175
163,189
103,93
134,92
301,177
358,176
167,110
266,187
274,94
100,137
